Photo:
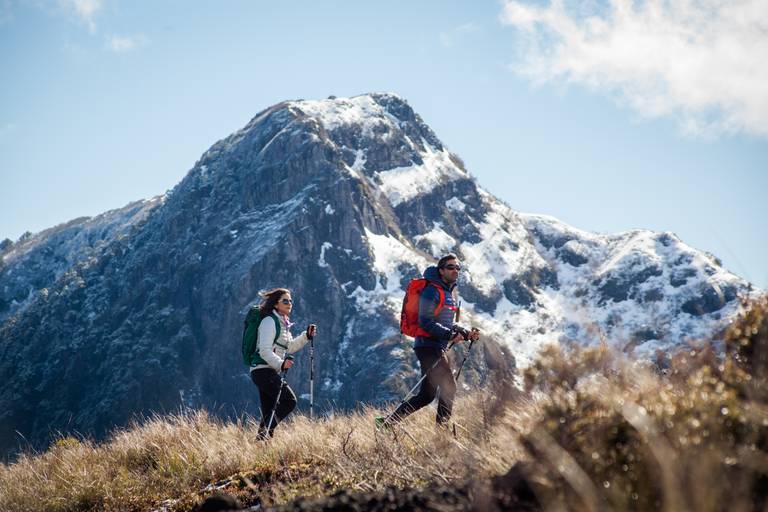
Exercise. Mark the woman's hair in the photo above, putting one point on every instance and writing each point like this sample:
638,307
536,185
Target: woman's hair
270,299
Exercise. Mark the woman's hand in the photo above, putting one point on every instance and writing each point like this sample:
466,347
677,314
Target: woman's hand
286,364
311,331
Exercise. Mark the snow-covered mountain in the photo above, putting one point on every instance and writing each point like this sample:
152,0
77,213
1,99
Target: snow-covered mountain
36,262
342,200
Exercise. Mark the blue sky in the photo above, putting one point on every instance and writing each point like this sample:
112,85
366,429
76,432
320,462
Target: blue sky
597,116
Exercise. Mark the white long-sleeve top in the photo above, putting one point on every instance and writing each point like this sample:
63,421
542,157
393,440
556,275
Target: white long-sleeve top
274,353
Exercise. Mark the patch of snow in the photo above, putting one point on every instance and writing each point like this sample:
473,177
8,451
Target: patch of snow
404,183
285,129
389,253
321,260
360,158
502,252
577,247
361,111
455,204
551,226
640,252
440,241
329,209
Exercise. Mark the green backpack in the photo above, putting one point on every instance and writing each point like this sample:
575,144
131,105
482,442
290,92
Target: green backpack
251,355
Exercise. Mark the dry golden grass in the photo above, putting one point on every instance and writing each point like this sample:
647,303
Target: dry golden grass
596,432
615,435
176,457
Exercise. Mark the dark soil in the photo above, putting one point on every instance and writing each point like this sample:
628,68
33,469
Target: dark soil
512,491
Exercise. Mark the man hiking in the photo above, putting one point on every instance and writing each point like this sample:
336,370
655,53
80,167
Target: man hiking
437,312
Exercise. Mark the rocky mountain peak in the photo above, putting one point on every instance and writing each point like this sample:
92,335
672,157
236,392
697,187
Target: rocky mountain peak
342,200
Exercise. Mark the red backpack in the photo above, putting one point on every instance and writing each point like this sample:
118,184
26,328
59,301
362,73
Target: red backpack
409,316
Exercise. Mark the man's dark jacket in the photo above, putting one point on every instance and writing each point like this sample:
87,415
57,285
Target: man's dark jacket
438,326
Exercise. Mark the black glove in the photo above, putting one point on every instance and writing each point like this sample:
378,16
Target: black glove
457,329
311,331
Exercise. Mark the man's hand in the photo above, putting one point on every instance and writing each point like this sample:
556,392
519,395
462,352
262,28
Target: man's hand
474,334
311,331
286,364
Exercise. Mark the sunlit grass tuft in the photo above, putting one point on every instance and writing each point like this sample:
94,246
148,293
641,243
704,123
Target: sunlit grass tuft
595,431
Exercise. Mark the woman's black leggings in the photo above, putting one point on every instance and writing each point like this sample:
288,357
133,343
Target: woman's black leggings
440,379
268,382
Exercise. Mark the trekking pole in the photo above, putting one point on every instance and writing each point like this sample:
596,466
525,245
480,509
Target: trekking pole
466,355
456,379
312,377
279,394
380,420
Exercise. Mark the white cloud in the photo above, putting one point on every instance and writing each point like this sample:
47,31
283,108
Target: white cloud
83,9
124,44
452,37
701,62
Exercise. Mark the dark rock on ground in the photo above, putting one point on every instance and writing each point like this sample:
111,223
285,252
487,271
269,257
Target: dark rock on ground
219,502
515,490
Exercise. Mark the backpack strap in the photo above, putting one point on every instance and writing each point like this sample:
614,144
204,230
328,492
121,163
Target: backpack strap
278,328
441,301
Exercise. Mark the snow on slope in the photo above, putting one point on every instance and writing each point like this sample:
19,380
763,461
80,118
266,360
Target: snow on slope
540,280
373,124
404,183
636,290
639,289
361,111
37,261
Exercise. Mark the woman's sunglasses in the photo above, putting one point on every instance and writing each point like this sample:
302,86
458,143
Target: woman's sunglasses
286,301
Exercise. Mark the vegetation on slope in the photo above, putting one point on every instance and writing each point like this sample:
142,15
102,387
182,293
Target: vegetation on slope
590,431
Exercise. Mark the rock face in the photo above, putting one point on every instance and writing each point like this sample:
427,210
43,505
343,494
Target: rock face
343,201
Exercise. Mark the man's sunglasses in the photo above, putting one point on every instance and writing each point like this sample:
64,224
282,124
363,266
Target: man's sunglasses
286,301
451,266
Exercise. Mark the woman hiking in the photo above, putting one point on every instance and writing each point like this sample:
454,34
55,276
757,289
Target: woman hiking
274,343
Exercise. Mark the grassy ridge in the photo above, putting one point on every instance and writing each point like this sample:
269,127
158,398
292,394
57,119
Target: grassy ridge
593,430
176,457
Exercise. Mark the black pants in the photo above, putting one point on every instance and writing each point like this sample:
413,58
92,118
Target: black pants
268,382
439,379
